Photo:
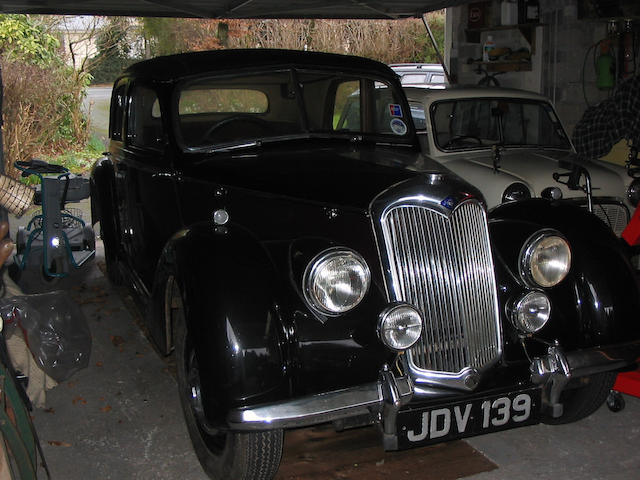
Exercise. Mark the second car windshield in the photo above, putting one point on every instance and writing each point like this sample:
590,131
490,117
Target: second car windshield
479,123
229,110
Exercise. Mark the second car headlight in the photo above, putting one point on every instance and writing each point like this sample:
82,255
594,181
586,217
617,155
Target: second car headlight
516,191
545,259
633,192
336,281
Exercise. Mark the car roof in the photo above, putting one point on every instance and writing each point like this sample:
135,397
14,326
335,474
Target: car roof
470,91
417,67
172,67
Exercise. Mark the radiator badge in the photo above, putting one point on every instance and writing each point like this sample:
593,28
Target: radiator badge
452,201
449,203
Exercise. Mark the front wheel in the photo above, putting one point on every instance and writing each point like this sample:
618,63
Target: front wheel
222,454
582,401
109,235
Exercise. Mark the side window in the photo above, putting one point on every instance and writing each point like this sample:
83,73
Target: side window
418,114
346,109
116,115
144,126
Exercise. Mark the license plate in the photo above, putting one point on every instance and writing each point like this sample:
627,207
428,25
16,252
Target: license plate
450,421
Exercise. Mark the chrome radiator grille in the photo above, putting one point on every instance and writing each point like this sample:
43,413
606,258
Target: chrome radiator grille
443,266
613,214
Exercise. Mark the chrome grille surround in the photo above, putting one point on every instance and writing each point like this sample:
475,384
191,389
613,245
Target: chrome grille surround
436,256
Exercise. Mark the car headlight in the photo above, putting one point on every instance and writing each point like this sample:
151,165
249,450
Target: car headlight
336,281
633,192
516,191
399,326
545,259
531,312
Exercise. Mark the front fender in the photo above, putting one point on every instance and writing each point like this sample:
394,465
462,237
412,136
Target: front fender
598,302
230,289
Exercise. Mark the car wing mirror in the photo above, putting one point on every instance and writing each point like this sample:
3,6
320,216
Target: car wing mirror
572,180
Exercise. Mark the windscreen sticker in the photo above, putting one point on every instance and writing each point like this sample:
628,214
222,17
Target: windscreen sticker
395,110
398,126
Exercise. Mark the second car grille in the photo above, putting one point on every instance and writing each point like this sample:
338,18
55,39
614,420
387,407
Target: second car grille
442,265
613,214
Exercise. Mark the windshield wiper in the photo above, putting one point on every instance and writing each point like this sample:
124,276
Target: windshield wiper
341,136
228,148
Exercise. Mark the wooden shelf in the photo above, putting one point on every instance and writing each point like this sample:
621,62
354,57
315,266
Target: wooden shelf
527,30
505,66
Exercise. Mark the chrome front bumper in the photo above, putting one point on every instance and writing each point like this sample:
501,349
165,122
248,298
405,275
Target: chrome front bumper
383,399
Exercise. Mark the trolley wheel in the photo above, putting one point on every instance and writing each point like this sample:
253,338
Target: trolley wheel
21,240
615,401
88,238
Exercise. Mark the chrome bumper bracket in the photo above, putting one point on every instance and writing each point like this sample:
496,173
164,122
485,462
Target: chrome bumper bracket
552,371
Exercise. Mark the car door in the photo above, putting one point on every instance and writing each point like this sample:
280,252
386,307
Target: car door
145,171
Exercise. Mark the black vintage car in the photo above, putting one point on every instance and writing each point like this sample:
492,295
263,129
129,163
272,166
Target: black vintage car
306,264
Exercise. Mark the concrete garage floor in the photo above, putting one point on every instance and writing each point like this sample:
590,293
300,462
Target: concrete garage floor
120,419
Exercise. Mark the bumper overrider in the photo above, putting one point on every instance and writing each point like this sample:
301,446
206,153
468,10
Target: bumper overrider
383,400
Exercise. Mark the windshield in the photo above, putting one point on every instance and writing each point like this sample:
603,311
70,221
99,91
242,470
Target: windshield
479,123
233,110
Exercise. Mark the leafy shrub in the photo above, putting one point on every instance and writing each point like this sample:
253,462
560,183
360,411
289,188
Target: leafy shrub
41,111
42,96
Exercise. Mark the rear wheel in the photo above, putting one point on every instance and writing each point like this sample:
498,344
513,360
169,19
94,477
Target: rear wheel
222,454
109,235
582,401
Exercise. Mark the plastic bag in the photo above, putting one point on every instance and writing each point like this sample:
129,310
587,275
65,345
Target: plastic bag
56,330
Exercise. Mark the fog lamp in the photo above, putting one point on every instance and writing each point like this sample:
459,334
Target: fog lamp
400,326
531,312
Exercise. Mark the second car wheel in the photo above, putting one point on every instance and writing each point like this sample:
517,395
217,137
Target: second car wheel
223,454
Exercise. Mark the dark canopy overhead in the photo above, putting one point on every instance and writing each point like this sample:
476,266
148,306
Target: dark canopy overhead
232,8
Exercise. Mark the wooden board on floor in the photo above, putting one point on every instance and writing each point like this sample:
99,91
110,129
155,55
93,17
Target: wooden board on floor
321,453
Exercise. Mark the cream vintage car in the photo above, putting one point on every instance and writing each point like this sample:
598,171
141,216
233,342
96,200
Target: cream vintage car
510,144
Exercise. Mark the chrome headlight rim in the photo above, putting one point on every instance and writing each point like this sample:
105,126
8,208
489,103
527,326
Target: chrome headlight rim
384,317
509,191
633,192
527,252
320,261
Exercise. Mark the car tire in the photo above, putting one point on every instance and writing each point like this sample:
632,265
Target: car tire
109,235
88,238
222,454
580,402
